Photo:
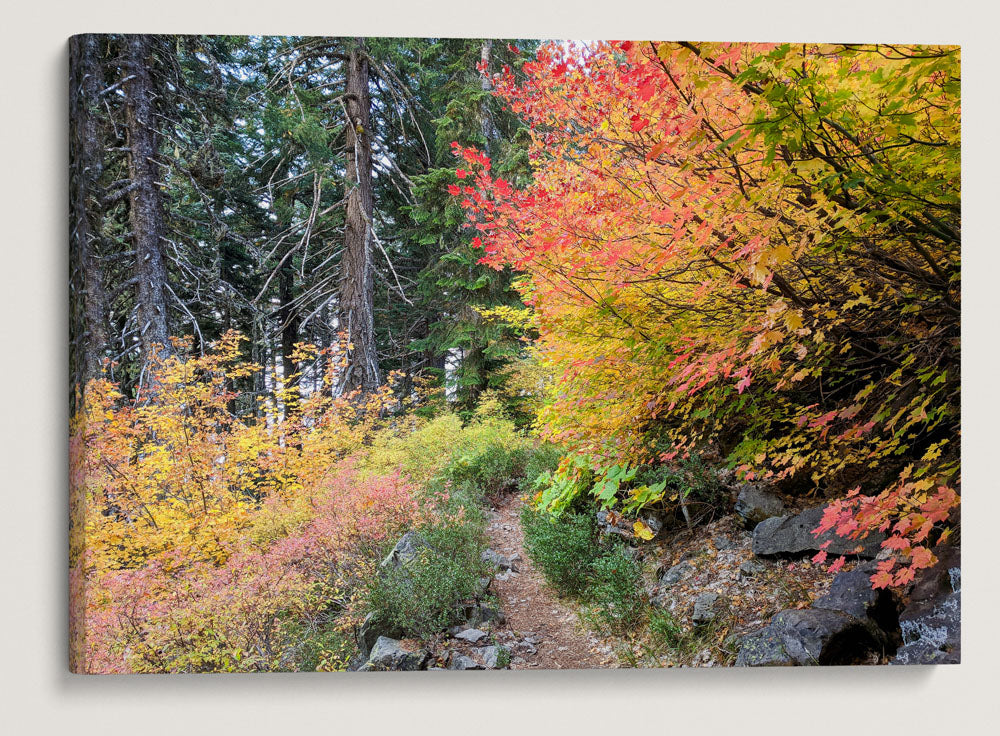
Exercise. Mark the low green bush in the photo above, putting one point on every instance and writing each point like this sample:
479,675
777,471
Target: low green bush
490,470
420,597
615,592
562,546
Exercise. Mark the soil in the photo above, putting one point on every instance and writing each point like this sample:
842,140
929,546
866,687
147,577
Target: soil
537,619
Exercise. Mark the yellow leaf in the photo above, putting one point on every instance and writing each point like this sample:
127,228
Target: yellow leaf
642,531
793,319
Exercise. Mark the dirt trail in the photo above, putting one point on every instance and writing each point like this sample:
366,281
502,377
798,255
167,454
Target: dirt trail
542,632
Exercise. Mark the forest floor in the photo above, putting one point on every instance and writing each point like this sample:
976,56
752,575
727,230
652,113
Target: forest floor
546,631
542,630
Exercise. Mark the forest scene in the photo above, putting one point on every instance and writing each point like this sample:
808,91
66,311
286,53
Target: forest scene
479,354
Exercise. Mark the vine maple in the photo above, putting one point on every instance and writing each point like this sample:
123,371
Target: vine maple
753,246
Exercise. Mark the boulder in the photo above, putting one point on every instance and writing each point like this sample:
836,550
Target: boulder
607,527
405,551
851,592
498,561
372,629
483,586
782,536
390,654
654,523
931,623
707,608
754,504
490,656
461,662
809,636
477,615
473,636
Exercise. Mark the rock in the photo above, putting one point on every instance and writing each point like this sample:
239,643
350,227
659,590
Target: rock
722,542
483,586
497,560
473,636
792,535
676,573
372,630
754,505
489,655
750,568
707,608
809,636
389,654
405,551
480,614
763,648
461,662
851,592
931,623
654,523
607,527
525,647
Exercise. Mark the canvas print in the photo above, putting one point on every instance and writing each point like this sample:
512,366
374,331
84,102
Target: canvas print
477,354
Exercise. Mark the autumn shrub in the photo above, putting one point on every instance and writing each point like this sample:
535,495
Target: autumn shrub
485,451
416,446
752,246
279,601
615,593
562,546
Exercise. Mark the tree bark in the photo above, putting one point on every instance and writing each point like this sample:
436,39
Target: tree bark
86,168
356,302
474,370
289,318
488,127
146,203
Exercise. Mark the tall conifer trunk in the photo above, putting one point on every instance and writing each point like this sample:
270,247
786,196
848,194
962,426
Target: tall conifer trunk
474,368
356,298
86,155
146,203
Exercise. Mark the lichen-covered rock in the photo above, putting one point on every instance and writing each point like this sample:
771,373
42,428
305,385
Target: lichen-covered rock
390,654
793,536
722,542
405,551
809,637
498,561
707,608
754,505
750,568
473,636
676,573
490,656
478,615
931,623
